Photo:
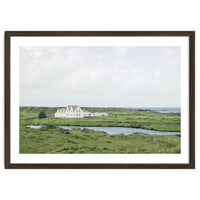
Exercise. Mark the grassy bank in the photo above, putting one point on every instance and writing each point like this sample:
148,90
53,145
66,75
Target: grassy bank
123,117
55,140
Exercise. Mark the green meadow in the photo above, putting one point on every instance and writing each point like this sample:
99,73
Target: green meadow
51,139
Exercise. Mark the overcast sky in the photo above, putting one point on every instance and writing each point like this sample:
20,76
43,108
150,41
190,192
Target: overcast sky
100,76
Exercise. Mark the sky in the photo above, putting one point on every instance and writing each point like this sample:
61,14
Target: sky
100,76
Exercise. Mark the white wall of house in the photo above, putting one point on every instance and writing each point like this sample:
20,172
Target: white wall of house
86,113
76,112
70,112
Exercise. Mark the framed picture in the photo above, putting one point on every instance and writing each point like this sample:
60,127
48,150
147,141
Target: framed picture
99,99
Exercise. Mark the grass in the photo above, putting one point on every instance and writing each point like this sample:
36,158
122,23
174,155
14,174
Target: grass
117,117
29,112
54,140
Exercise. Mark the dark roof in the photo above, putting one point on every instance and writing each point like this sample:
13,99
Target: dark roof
74,107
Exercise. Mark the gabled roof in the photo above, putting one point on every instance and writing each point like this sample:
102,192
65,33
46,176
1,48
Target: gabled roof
74,107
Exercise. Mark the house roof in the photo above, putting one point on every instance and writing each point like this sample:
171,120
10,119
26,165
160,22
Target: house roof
74,107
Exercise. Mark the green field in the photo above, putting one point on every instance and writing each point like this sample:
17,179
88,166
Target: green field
51,139
117,117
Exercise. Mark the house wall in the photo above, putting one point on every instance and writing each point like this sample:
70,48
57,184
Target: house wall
78,113
70,113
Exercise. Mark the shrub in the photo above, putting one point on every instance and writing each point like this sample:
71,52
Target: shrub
49,126
66,131
42,114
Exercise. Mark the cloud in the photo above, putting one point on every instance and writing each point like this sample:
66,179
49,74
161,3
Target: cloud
99,76
121,51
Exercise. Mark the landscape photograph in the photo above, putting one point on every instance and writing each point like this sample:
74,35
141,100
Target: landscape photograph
99,100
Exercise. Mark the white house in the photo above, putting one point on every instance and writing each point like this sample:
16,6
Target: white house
98,114
76,112
70,112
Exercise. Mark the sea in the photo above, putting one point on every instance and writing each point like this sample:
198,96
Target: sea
161,109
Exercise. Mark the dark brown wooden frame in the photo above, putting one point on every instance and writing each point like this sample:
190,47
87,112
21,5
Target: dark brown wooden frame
190,34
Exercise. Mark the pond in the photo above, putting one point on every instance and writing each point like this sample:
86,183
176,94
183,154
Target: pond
116,130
